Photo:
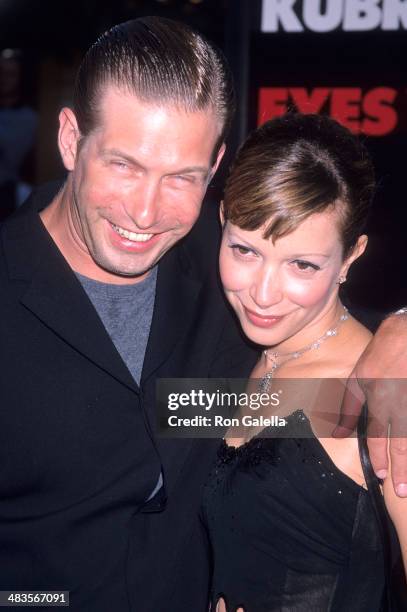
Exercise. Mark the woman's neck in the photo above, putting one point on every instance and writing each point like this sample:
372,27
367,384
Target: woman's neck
329,319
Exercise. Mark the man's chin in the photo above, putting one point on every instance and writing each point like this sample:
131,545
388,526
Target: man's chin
127,271
129,266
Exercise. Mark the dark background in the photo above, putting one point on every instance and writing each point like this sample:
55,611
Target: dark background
54,35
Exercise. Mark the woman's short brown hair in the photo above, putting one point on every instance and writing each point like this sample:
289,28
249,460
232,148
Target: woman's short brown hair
295,166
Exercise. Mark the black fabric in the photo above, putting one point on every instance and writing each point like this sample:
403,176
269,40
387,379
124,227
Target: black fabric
289,531
7,199
395,595
78,450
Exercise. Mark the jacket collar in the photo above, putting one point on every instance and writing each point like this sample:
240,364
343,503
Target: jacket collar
53,293
176,300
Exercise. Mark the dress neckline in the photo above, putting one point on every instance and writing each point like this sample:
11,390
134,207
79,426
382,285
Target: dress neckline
260,441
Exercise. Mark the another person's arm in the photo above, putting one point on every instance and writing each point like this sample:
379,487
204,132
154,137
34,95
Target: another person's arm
381,372
397,508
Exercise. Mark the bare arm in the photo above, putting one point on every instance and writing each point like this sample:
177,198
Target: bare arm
397,508
381,373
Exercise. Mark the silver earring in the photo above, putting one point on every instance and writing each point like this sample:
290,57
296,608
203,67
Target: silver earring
341,280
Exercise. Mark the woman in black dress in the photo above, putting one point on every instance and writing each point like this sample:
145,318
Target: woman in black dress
291,522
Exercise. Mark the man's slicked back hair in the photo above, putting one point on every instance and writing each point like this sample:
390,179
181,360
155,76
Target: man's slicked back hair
160,61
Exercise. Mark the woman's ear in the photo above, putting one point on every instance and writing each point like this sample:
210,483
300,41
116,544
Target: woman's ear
356,252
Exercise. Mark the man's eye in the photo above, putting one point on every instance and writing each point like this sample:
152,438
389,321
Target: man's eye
183,178
120,165
305,266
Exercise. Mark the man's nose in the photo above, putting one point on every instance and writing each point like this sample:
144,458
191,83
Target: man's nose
266,290
143,203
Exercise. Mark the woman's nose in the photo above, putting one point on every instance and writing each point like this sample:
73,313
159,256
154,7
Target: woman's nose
266,290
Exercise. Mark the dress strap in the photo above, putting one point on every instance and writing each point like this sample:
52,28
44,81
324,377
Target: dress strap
395,595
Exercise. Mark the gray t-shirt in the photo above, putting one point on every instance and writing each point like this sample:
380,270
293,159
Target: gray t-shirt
126,312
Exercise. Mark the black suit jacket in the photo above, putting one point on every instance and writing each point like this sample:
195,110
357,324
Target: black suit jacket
78,450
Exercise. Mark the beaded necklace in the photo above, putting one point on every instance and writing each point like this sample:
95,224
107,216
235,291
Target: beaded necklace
264,384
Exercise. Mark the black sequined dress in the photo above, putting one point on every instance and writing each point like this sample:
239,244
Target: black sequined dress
290,532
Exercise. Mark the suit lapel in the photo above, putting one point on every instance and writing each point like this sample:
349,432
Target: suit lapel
177,295
50,290
175,305
53,293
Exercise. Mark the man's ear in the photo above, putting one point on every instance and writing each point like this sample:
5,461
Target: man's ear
357,251
218,159
221,153
68,137
222,214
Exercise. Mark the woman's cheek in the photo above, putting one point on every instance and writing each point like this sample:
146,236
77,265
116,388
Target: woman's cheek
226,266
308,292
234,276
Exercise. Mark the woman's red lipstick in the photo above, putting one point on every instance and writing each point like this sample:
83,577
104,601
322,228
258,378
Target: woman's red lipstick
261,320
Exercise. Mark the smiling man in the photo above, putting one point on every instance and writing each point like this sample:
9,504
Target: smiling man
103,292
135,186
105,287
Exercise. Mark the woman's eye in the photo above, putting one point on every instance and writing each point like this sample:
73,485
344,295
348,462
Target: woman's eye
305,266
240,249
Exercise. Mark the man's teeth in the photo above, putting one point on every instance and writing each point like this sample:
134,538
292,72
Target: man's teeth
132,235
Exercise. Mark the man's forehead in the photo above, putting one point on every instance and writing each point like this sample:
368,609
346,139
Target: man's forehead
112,96
154,135
119,104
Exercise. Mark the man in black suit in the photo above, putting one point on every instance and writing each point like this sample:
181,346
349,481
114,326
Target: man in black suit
102,293
105,288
